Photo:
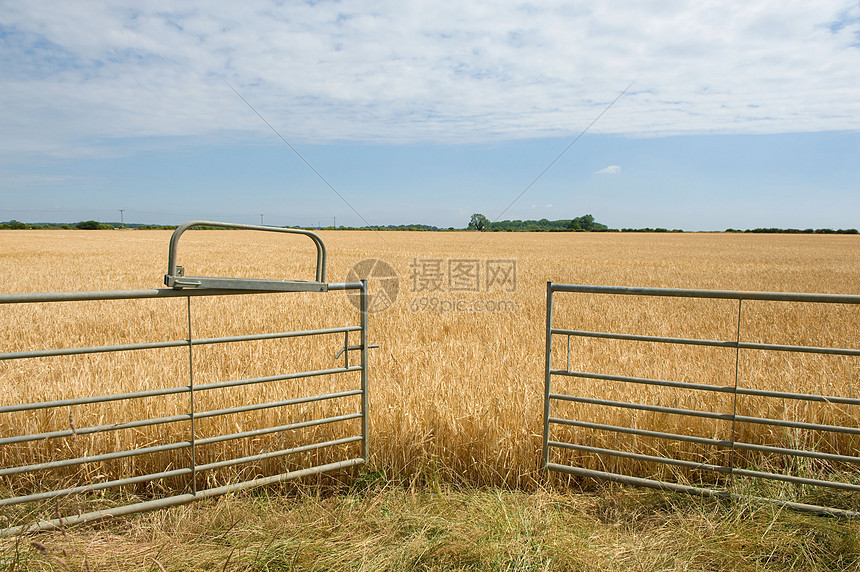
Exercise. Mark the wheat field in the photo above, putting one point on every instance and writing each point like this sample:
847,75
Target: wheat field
457,382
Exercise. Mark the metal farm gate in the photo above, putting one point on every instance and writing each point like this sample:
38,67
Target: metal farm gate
694,437
23,487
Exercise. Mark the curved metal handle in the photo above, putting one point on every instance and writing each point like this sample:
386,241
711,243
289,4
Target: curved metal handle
174,242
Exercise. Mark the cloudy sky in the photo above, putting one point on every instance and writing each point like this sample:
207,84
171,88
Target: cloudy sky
731,114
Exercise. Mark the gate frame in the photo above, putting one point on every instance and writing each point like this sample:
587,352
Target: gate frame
730,470
188,287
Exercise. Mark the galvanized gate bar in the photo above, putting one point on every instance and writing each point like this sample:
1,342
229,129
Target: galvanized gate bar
697,491
173,344
709,414
176,500
643,407
173,446
645,381
705,440
175,279
285,402
174,418
713,343
714,294
638,481
94,487
278,429
143,294
706,466
236,287
641,457
734,445
174,473
104,295
94,458
641,432
172,390
705,387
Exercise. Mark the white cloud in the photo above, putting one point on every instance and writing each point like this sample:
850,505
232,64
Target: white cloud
80,71
610,170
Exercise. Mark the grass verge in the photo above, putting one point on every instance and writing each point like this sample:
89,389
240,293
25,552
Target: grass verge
386,527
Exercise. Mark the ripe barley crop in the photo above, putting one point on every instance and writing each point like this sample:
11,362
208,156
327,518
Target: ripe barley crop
456,389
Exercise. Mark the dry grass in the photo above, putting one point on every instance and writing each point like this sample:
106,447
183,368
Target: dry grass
455,396
393,528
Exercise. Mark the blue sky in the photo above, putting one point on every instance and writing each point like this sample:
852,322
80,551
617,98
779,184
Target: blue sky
740,114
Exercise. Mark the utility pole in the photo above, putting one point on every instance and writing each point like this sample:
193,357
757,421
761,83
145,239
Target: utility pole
121,218
261,220
334,222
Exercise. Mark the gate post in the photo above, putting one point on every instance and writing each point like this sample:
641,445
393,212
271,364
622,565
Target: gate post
546,389
365,400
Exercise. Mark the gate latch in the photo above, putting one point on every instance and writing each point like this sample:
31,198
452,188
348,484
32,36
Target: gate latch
344,351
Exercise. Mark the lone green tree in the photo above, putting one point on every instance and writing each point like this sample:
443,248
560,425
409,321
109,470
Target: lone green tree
479,222
585,222
92,225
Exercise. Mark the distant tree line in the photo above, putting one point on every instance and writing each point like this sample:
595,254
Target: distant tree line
95,225
479,222
585,223
797,231
83,225
649,229
400,227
